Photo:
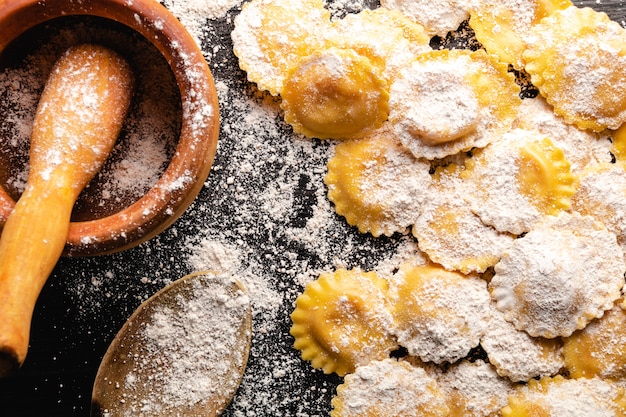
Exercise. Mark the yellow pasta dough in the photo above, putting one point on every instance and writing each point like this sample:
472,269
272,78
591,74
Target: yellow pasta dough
439,315
389,388
602,195
502,26
450,233
341,321
558,396
474,389
515,354
533,180
335,93
543,283
544,176
448,101
386,37
538,209
581,147
271,36
376,184
599,349
437,16
619,143
576,58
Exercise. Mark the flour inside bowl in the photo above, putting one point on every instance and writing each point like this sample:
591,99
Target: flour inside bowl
149,134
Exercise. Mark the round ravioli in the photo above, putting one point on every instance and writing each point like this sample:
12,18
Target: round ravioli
341,321
576,58
474,389
437,16
599,349
520,180
439,315
450,233
517,355
376,184
559,276
602,195
389,388
388,38
558,396
502,26
448,101
335,93
271,36
581,147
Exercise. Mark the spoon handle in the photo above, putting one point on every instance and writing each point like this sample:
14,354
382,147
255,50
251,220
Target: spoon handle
77,123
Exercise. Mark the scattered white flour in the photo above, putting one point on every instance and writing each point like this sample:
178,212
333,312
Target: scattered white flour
437,16
213,256
407,253
208,255
437,88
193,14
580,397
389,388
149,133
517,355
543,284
192,339
476,388
440,315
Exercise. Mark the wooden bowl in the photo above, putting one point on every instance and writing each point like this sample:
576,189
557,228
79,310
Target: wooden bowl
190,165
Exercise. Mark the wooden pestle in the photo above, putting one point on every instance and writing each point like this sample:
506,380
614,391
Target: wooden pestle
77,122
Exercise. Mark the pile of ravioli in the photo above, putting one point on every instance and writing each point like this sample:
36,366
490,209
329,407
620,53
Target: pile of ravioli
517,206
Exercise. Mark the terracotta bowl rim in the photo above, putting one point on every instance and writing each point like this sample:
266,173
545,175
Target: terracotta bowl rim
189,167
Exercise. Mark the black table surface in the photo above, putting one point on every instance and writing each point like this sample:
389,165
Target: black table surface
86,300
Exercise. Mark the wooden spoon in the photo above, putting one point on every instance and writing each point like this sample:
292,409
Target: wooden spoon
76,125
182,352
